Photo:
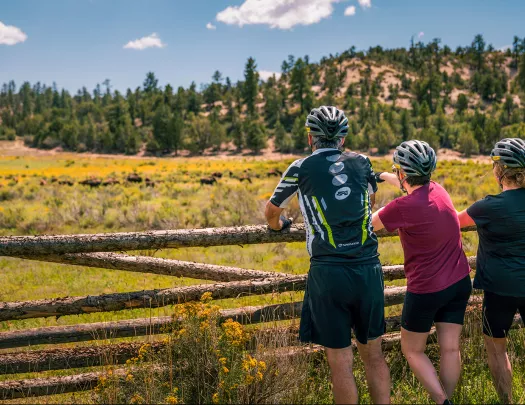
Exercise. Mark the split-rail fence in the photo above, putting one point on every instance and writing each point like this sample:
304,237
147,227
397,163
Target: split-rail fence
98,250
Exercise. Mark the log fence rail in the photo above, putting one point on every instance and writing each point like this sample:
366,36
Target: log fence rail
105,251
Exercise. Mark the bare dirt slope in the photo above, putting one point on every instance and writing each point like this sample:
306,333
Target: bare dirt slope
17,148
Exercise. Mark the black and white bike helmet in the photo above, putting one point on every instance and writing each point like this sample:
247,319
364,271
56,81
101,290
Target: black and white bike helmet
328,122
416,158
510,152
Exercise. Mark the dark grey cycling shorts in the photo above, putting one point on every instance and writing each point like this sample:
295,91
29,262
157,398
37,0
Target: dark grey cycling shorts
339,298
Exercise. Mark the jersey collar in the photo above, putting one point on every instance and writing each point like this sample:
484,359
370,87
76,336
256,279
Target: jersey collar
317,151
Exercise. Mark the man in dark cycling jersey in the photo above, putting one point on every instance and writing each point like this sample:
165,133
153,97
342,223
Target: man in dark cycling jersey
345,287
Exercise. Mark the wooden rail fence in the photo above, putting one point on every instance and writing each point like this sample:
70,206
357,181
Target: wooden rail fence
104,251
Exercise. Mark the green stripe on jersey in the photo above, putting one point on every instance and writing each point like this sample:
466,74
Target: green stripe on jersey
325,222
365,221
292,179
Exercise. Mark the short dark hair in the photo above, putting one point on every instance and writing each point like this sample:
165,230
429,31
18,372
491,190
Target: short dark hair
321,142
418,180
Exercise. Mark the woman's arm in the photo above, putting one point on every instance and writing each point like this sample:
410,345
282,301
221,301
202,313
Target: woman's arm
465,220
376,221
390,178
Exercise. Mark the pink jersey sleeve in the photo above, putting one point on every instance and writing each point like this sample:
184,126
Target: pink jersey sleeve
391,216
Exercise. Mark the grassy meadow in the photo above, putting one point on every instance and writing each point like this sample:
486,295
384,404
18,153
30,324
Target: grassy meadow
33,202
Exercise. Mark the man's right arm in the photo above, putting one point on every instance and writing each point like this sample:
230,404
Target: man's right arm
286,189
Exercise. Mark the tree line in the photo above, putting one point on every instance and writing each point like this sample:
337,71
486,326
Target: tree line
442,106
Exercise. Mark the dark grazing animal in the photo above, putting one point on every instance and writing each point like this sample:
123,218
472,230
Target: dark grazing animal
92,182
274,173
134,178
208,180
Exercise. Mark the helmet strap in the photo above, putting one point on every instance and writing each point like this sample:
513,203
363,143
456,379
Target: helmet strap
500,178
402,182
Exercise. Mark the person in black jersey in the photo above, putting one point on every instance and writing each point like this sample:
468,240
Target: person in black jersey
500,270
345,288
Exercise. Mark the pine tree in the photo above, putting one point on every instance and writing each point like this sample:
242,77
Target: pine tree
255,135
467,144
237,133
299,135
424,114
161,127
198,133
300,86
193,100
521,73
478,47
176,132
251,86
150,83
462,104
382,137
217,130
283,139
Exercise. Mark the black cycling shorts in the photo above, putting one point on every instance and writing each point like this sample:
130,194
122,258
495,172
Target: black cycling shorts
498,313
342,297
420,311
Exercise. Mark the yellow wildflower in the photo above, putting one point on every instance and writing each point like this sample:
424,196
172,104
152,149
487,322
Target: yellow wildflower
129,377
206,297
144,350
215,398
262,366
222,360
234,332
259,376
172,400
136,399
225,370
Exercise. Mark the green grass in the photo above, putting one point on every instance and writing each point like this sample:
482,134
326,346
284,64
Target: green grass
178,201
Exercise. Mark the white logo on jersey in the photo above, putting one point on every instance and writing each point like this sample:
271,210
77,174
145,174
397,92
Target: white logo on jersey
336,167
342,193
339,180
333,158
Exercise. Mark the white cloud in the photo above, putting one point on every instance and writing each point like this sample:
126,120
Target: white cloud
266,74
151,41
421,35
210,26
350,11
282,14
11,35
365,3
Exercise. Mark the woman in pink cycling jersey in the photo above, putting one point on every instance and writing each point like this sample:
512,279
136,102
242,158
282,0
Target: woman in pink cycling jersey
437,270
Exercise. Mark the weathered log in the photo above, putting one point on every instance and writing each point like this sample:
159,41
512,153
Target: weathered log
37,387
112,354
67,358
159,298
155,265
56,385
177,268
137,327
145,299
28,246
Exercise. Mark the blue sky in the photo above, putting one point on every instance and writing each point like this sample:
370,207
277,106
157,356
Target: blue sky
82,42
